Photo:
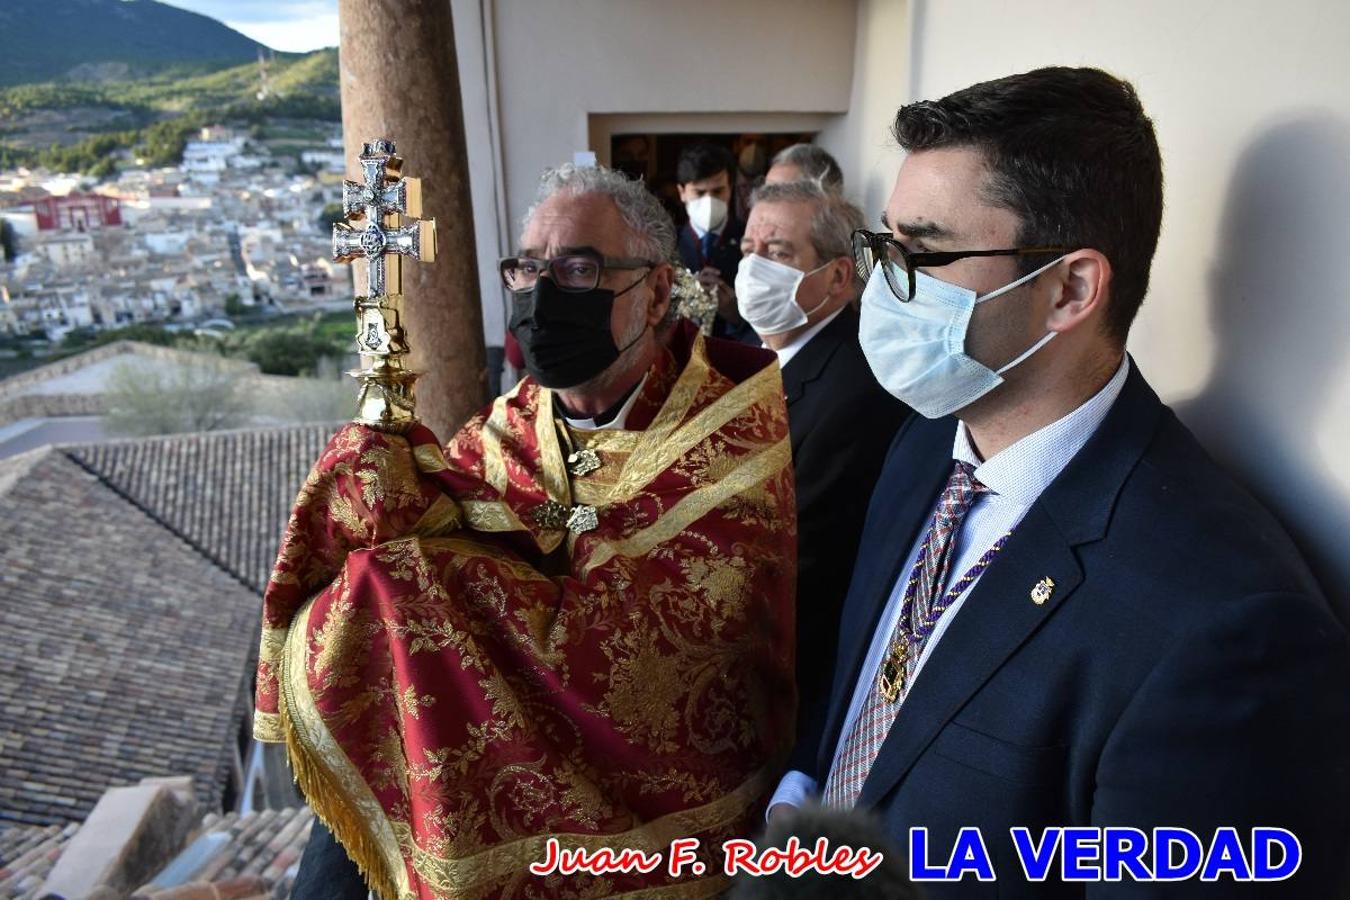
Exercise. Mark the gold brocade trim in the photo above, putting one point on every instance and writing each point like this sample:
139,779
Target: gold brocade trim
271,647
273,643
494,464
605,440
441,518
267,728
491,515
653,458
552,466
596,487
430,458
681,398
593,491
694,505
332,785
448,876
467,546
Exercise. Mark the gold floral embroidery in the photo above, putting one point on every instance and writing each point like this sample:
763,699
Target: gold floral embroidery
389,475
478,639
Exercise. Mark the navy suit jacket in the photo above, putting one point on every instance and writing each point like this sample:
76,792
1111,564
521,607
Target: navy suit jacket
842,423
726,258
1185,671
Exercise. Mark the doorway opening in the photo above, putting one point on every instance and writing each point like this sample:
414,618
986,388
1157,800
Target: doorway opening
652,157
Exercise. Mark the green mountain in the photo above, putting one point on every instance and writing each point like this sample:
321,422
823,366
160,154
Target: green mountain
76,125
50,40
82,81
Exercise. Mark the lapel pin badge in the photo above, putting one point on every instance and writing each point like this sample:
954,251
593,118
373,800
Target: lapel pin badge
1042,591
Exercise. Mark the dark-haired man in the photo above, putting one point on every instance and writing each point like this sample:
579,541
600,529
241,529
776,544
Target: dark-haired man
709,240
1063,613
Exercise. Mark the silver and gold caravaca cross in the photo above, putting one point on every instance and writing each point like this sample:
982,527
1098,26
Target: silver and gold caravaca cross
375,208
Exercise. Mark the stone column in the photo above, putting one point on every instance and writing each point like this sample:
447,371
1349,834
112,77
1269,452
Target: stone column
400,81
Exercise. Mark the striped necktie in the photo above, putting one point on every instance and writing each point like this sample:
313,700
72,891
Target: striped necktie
924,601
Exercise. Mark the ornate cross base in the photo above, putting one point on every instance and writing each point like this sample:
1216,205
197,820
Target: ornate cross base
386,398
386,401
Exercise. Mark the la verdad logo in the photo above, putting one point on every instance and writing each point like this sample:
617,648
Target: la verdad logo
1116,853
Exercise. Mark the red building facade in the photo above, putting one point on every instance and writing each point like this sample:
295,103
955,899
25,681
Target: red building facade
77,212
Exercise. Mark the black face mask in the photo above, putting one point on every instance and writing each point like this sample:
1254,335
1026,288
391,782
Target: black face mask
565,337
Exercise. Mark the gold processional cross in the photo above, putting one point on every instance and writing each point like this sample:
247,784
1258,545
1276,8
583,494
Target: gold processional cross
375,208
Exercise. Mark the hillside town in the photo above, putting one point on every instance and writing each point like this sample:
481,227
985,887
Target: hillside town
234,229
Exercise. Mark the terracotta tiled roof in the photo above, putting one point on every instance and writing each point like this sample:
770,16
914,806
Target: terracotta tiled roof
128,578
27,854
256,854
251,855
129,583
227,493
126,650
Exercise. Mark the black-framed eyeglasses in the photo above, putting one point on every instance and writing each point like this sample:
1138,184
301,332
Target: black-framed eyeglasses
871,247
575,271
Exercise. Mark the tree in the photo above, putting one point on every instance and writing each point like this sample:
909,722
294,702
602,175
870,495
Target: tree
329,397
233,305
8,241
206,396
330,216
291,350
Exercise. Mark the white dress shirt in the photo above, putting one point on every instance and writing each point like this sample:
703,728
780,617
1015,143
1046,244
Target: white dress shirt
1015,476
796,344
700,232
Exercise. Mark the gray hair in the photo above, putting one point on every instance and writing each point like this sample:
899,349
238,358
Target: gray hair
651,234
833,219
815,163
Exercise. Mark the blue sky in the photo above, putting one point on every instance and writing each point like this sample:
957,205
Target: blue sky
293,25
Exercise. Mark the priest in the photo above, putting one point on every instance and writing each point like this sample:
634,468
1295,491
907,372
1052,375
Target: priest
573,622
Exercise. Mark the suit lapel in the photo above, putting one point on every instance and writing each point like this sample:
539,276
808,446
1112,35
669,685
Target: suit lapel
810,362
993,622
1000,614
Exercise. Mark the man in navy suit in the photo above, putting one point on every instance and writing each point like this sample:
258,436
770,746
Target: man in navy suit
1062,612
709,240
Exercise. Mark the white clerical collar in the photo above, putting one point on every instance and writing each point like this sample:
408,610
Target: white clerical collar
794,346
1024,469
620,419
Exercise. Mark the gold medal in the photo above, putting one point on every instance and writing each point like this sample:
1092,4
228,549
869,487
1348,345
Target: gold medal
891,678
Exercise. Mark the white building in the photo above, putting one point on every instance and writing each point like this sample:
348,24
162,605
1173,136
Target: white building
326,160
210,156
66,250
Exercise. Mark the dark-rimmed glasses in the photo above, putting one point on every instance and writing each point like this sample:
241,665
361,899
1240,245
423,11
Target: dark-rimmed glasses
871,247
574,272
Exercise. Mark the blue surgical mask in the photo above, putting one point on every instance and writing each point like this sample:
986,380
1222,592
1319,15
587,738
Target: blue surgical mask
917,349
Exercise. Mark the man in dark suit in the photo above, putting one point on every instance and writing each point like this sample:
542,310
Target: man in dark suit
796,287
710,237
1063,612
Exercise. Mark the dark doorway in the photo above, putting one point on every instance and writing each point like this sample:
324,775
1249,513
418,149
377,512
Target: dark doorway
652,157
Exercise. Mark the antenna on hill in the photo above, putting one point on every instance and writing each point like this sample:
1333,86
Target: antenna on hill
264,88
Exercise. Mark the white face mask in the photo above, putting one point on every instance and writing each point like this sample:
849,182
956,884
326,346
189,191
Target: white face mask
766,295
917,349
707,212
